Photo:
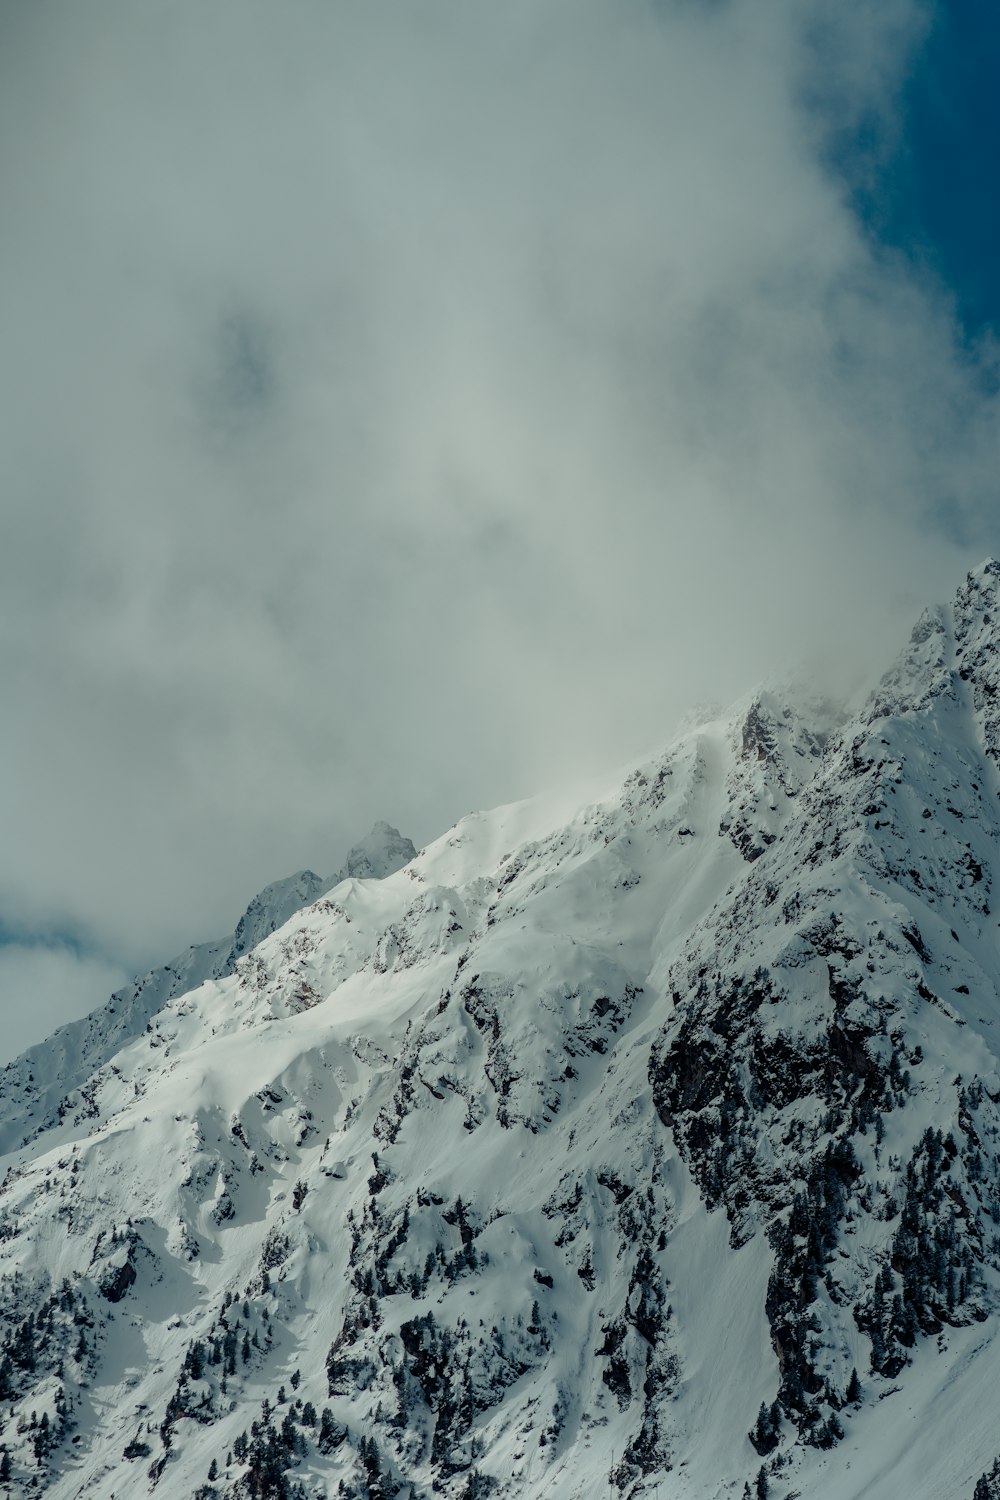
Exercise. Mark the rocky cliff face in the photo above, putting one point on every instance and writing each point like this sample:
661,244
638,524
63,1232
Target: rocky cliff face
645,1139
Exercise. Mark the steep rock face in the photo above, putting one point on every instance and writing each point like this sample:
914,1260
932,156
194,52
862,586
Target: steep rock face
776,748
841,1007
651,1132
49,1080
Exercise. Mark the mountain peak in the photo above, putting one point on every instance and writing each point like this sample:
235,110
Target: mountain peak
382,853
976,597
988,568
34,1085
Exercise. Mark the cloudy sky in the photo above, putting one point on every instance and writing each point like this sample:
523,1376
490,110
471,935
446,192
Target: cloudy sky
405,406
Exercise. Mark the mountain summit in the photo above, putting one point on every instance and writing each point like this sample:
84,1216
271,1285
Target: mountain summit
651,1141
33,1086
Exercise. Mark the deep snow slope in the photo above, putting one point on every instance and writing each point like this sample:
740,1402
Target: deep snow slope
637,1139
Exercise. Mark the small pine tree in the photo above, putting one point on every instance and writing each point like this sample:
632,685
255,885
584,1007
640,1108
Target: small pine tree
330,1434
765,1431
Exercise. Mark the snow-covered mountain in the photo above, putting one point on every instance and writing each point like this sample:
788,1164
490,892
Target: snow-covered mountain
34,1086
640,1139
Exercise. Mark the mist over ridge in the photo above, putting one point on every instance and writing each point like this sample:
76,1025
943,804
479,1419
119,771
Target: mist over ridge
404,411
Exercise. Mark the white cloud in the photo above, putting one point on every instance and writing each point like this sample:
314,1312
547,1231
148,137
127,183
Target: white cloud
43,987
404,405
